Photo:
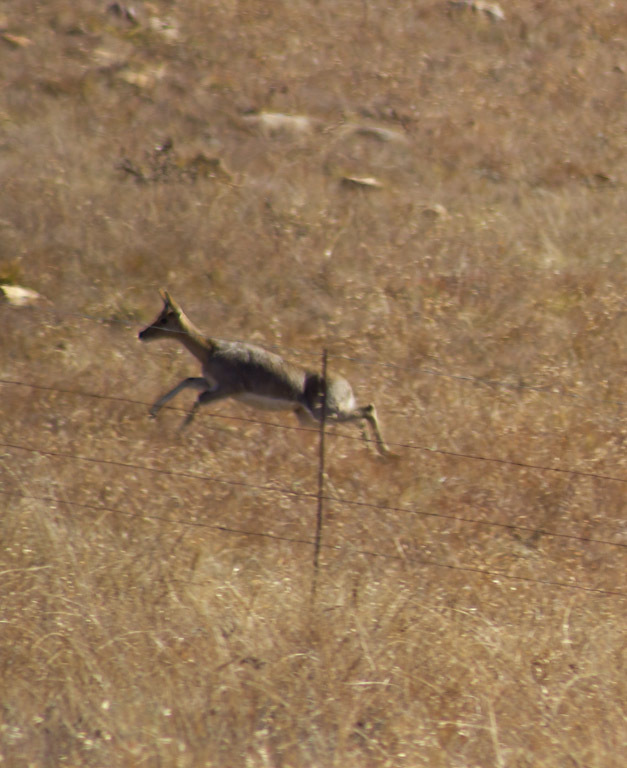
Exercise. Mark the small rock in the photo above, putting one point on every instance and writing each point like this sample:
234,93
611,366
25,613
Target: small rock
124,13
369,182
435,211
278,124
17,296
16,41
380,133
493,10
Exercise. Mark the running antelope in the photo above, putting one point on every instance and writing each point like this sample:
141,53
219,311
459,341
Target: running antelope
256,377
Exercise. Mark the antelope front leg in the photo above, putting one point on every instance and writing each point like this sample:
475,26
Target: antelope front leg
190,383
190,416
206,396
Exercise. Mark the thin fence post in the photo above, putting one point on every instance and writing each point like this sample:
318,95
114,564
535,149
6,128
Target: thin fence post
320,509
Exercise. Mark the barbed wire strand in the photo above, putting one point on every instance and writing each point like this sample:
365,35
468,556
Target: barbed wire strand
549,389
335,433
492,574
311,496
334,547
161,471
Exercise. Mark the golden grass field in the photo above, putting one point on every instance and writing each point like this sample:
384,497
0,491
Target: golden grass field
156,586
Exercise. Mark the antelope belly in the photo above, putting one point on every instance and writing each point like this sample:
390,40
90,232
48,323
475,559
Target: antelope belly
265,402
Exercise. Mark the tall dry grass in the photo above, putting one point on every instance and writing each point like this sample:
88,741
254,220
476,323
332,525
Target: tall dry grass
156,587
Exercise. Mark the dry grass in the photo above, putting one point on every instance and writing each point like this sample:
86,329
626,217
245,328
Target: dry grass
136,629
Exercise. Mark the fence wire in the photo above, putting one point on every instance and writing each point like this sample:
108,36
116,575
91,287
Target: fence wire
402,558
316,543
311,496
407,446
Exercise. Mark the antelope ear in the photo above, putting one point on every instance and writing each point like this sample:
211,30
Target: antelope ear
169,302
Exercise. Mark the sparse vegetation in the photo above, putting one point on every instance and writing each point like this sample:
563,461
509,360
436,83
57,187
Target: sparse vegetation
476,293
